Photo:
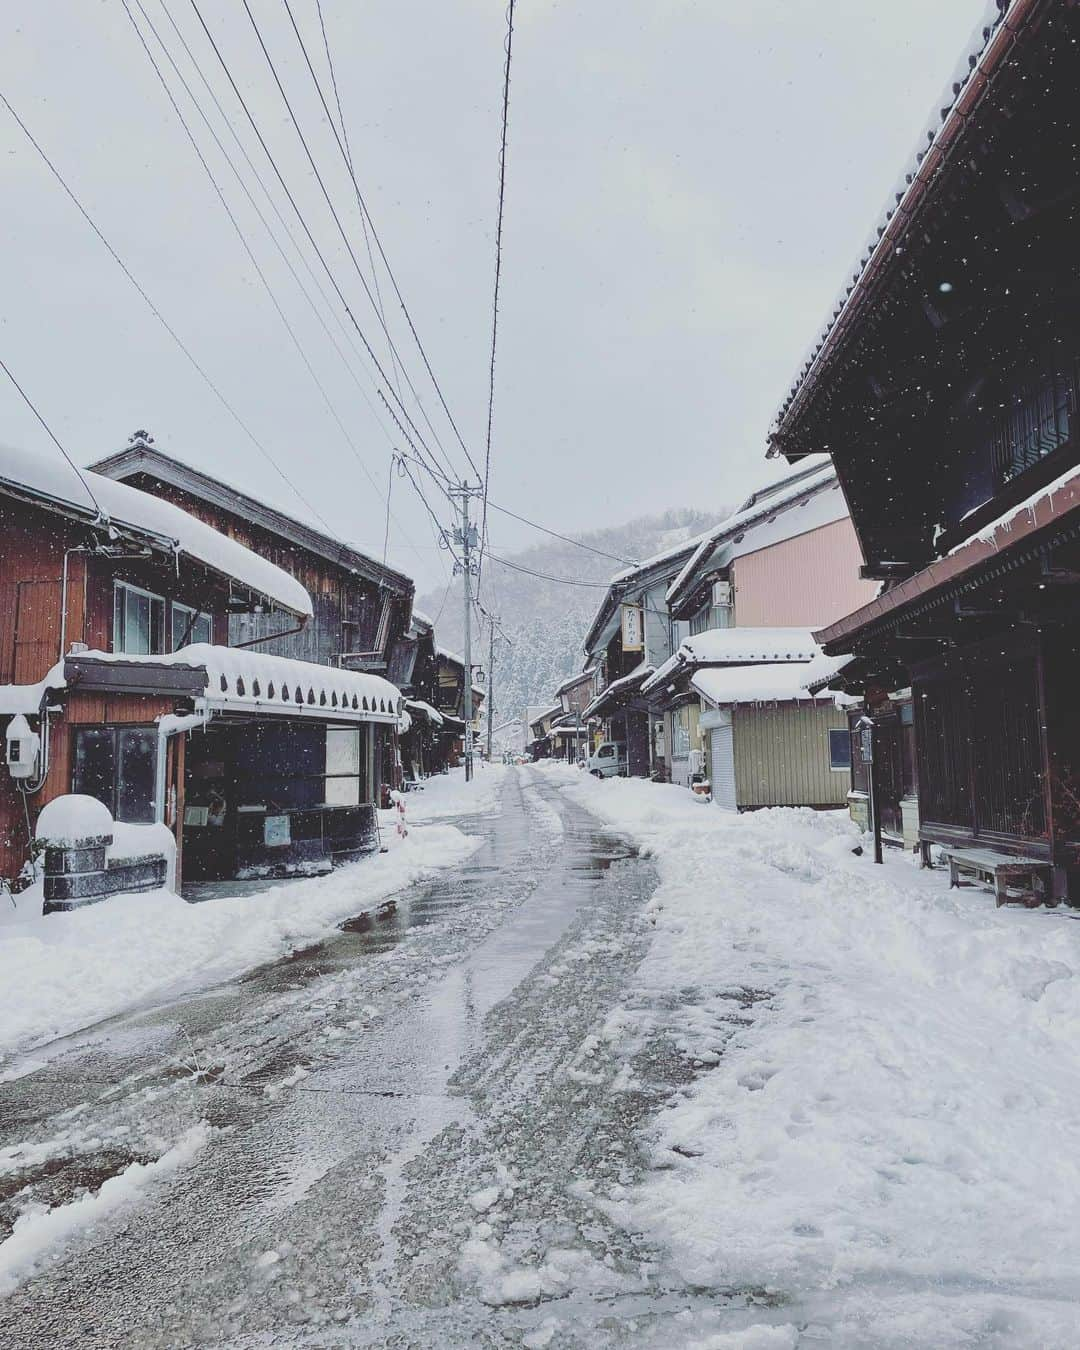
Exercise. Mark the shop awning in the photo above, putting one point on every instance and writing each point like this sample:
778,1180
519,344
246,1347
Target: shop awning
418,708
618,692
235,679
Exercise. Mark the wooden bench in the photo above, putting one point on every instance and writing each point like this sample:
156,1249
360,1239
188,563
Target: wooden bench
1002,871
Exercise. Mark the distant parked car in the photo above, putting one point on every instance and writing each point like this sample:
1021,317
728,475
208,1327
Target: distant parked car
608,760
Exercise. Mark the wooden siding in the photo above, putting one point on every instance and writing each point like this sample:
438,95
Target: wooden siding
805,582
347,607
782,755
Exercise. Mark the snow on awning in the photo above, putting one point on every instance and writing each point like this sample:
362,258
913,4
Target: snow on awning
238,678
781,682
53,483
425,710
28,698
737,646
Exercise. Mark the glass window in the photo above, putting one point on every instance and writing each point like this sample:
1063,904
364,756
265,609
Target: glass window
95,763
185,618
138,621
840,749
117,765
343,766
137,760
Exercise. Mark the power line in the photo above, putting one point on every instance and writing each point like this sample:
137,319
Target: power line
408,541
545,576
498,275
52,435
503,510
337,221
237,227
292,200
273,207
159,316
365,214
349,161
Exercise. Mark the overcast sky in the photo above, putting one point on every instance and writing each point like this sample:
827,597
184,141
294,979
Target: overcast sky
687,186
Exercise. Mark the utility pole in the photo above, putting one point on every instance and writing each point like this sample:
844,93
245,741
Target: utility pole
466,536
492,621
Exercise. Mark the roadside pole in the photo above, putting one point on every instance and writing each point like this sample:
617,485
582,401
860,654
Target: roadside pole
466,536
868,750
492,621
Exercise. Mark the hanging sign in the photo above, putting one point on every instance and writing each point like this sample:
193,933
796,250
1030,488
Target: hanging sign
633,628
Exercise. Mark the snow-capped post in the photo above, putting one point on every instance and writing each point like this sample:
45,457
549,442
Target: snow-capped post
867,736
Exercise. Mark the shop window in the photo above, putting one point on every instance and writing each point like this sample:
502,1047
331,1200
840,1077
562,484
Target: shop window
343,776
118,765
840,749
138,621
188,627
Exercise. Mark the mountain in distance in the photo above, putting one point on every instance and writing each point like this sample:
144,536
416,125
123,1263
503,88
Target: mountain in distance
547,620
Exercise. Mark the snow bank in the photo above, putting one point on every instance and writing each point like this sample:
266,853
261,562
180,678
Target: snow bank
66,971
40,1233
448,794
884,1122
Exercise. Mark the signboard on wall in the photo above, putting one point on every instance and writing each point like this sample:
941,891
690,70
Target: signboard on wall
633,628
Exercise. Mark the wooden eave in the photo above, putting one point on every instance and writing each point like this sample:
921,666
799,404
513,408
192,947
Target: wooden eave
128,464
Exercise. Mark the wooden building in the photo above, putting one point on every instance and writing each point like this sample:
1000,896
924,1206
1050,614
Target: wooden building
946,389
361,607
116,683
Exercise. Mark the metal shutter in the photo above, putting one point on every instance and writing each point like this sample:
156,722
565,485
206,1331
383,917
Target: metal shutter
722,766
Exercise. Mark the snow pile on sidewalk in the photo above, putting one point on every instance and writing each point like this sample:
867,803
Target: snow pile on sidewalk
65,971
448,794
883,1124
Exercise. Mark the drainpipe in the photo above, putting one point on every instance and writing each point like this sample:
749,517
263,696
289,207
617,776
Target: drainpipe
79,548
172,724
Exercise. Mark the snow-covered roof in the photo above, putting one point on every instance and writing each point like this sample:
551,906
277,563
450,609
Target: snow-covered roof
782,497
237,677
421,617
450,656
909,190
737,646
417,705
573,680
781,682
28,698
52,482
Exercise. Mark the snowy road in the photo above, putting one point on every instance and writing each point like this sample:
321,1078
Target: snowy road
406,1123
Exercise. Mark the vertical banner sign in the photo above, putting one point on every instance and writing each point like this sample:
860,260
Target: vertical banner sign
633,628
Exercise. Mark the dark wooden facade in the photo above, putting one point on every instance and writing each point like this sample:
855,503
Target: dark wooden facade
948,396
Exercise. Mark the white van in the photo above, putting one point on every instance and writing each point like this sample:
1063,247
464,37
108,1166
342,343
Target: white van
608,760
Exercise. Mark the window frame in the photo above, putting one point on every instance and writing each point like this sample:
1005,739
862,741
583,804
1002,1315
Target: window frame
845,734
190,613
116,731
119,637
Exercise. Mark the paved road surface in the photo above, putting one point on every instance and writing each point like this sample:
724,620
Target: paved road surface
446,1050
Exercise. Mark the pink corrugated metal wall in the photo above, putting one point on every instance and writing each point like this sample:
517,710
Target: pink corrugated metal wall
805,582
